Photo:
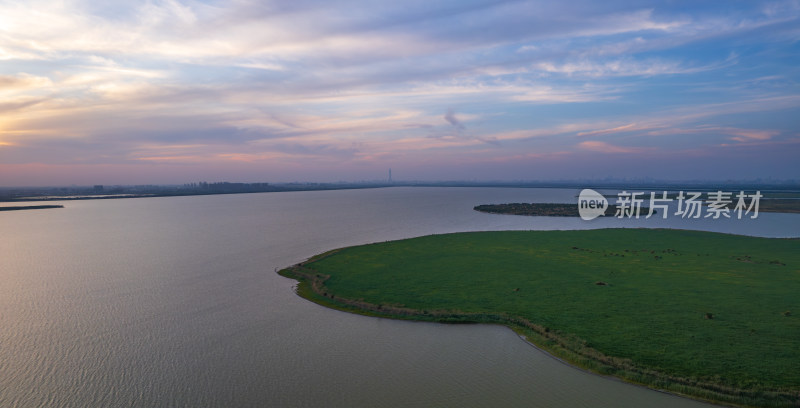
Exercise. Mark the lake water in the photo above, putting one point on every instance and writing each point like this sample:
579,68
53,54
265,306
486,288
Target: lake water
174,302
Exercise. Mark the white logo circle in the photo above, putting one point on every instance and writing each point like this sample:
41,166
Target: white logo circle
591,204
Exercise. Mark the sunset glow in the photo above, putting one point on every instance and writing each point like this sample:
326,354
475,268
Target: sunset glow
170,91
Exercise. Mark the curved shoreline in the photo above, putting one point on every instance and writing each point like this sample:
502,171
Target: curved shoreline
566,348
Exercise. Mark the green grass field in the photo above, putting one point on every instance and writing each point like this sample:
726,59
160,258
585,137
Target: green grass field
711,315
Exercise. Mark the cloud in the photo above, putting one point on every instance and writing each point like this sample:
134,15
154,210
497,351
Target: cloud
732,133
619,129
23,82
348,80
548,94
603,147
629,67
8,107
745,135
450,117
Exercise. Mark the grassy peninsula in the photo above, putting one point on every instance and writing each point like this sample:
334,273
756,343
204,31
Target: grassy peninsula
709,315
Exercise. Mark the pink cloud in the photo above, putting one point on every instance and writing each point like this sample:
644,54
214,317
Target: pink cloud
746,135
625,128
737,134
603,147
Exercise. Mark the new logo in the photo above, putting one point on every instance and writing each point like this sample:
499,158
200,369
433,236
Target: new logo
591,204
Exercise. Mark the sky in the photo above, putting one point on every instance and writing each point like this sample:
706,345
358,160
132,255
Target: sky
169,91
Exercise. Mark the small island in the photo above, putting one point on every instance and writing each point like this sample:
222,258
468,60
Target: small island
29,207
708,315
766,205
777,205
544,209
787,202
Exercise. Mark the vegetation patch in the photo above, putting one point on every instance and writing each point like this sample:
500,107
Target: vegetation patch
675,310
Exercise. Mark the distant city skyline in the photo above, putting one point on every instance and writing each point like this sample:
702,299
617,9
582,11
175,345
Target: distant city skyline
175,91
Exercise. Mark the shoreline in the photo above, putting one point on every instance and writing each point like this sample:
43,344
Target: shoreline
564,347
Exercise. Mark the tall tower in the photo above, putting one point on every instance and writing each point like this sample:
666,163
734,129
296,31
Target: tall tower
390,176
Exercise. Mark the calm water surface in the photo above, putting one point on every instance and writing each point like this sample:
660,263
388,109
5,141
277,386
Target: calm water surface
165,302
